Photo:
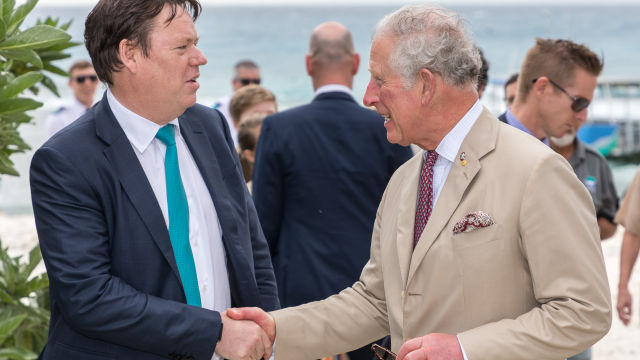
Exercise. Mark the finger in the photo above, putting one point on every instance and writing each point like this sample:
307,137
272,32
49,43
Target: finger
257,315
408,347
268,346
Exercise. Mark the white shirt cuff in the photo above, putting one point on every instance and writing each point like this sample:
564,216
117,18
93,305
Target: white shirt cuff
464,355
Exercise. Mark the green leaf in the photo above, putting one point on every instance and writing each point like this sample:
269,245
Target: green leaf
7,9
37,283
17,353
6,298
3,28
21,12
35,257
55,69
24,55
49,84
10,106
37,37
8,326
20,84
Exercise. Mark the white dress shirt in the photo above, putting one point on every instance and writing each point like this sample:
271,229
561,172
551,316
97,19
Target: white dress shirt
205,233
447,152
333,88
65,115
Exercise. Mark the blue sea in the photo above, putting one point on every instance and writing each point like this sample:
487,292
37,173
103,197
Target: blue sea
276,37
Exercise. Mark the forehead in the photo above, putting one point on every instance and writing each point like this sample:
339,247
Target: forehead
87,70
245,72
380,51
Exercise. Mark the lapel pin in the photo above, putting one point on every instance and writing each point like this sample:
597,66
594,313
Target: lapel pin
463,159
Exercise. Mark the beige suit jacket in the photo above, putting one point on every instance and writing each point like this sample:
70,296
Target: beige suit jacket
531,286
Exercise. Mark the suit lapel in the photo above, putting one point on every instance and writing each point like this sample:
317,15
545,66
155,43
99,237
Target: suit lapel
479,141
211,170
406,220
128,170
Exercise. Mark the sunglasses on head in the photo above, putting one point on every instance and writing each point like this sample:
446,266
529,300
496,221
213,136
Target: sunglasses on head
80,79
246,82
382,353
578,102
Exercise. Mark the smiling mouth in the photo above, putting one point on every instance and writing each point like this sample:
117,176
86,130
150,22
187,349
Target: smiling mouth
386,118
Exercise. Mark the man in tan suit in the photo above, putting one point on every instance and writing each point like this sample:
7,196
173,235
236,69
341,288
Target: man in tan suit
509,264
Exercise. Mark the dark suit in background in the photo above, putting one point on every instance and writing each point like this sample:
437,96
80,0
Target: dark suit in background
320,173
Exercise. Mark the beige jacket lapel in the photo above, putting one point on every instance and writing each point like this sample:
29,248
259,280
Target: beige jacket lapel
480,140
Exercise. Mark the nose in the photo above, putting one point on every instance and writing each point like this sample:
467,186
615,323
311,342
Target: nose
581,117
371,95
199,59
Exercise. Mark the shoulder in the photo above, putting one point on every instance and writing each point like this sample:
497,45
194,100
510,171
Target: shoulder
592,153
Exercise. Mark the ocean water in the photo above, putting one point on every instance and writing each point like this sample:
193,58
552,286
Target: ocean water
276,37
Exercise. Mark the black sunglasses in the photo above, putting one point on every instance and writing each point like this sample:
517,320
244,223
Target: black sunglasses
382,353
578,102
246,82
80,79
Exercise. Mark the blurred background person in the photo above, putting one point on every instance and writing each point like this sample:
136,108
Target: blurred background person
594,172
321,169
629,217
83,82
251,99
245,72
483,77
248,134
510,88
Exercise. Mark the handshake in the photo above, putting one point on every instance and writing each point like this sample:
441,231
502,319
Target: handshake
247,334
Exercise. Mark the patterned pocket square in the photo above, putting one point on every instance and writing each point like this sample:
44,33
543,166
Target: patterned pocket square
472,221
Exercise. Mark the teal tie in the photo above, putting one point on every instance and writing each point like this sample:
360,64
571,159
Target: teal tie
179,217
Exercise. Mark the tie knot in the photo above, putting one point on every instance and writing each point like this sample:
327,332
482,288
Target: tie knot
166,135
430,157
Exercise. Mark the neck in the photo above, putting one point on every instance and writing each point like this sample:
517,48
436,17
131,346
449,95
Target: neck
528,116
332,79
129,98
447,113
86,102
565,151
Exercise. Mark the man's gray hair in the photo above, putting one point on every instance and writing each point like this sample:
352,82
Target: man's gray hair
431,37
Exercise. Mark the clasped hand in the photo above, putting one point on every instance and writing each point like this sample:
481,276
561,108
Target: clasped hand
247,334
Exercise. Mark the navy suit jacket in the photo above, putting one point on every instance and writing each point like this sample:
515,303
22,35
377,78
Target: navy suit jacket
115,287
320,173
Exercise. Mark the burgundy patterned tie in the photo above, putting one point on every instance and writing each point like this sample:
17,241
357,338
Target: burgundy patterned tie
425,195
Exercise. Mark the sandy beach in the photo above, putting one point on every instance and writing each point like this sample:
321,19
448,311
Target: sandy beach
18,233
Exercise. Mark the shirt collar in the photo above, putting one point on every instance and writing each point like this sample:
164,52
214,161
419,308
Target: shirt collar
451,143
139,130
513,121
333,88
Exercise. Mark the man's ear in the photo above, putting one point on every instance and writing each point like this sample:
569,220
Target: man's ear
129,55
540,86
356,63
427,82
309,64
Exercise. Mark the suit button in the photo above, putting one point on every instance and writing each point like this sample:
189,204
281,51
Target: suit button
402,294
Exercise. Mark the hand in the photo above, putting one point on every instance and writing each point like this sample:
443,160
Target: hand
431,347
257,315
624,305
242,340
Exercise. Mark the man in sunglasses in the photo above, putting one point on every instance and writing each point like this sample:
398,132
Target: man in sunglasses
555,88
557,83
83,81
245,72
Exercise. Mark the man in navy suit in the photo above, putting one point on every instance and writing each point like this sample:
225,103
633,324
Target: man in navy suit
146,227
320,173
